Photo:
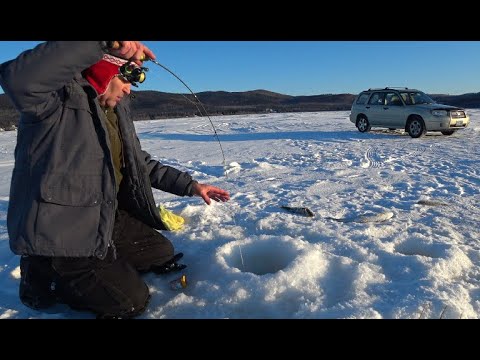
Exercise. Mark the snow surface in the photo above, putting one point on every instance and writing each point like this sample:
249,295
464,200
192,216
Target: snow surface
395,232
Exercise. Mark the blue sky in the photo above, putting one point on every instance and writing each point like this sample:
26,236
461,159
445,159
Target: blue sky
307,67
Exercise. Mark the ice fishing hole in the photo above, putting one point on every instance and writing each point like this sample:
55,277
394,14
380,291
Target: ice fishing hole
262,257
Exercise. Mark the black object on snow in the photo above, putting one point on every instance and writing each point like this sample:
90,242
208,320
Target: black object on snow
299,210
169,266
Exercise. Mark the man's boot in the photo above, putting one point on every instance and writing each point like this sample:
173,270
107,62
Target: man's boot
37,285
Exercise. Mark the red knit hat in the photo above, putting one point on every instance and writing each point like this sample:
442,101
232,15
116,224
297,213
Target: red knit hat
100,74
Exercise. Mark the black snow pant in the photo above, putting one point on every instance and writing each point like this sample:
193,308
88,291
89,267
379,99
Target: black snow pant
112,287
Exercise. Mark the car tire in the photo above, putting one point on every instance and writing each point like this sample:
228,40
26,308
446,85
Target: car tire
363,125
416,127
448,132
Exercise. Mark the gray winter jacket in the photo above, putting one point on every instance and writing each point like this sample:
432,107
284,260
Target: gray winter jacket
62,194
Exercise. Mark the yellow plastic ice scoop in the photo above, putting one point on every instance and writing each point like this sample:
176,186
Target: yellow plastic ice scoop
171,221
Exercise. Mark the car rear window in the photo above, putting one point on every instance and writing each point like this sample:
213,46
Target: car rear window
362,99
377,99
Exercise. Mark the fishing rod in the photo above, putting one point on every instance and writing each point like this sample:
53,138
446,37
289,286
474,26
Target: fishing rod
116,45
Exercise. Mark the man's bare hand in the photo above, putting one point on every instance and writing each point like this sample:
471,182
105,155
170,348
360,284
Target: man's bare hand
132,50
208,192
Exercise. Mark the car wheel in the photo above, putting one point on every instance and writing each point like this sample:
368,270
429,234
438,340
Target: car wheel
448,132
363,125
416,127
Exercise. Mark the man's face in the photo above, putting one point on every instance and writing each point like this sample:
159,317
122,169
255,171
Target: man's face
116,90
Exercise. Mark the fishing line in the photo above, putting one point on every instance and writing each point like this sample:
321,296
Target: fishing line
204,113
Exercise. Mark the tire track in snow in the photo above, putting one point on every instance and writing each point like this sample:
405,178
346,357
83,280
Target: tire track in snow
377,158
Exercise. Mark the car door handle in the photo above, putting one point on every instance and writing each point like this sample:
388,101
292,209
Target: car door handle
367,107
385,108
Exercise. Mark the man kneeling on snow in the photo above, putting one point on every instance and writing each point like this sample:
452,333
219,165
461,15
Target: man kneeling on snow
82,213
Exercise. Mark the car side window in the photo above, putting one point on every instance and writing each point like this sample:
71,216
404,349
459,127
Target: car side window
377,99
406,98
392,99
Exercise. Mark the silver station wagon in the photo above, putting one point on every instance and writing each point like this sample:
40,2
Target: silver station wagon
408,109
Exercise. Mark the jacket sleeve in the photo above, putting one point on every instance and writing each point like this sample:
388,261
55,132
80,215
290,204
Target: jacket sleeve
32,80
167,178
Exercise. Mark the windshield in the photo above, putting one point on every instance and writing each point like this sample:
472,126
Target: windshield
416,98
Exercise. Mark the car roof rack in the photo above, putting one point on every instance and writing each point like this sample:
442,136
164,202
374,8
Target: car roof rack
390,87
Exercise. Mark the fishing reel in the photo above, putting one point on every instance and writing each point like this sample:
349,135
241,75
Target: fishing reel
133,73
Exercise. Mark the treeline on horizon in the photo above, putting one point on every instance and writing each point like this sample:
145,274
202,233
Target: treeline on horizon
149,105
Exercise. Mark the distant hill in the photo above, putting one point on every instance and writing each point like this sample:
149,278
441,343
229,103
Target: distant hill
470,100
158,105
8,114
154,104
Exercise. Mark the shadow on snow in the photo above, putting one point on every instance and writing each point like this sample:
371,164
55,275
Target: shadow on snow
285,135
